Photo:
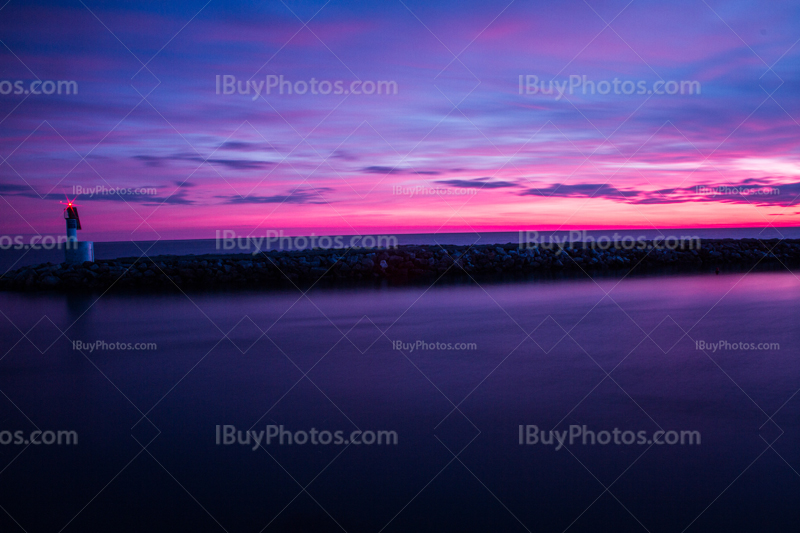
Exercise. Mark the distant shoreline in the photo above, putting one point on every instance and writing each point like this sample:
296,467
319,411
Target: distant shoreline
400,265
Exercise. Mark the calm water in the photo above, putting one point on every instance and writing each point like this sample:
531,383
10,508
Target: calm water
326,361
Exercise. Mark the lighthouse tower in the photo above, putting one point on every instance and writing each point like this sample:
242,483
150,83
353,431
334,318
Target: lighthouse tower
74,251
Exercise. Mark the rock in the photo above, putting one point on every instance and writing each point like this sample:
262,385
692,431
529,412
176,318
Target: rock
317,272
399,264
51,281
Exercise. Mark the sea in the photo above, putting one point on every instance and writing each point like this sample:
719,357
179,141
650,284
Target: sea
648,403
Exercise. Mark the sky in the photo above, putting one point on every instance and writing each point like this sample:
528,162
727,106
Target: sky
405,116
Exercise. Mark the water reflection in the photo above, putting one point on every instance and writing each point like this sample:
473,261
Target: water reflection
604,354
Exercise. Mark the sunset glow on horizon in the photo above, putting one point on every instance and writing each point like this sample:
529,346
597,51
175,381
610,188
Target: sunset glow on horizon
468,143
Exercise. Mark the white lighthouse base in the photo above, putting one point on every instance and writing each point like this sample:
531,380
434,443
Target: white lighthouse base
78,252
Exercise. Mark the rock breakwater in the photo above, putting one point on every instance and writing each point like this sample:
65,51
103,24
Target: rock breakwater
398,265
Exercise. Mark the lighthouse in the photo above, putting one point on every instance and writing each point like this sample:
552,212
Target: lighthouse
75,251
